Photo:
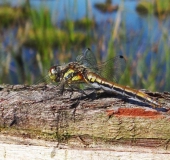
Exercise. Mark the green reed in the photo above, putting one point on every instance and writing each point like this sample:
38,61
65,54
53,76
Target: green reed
118,33
43,35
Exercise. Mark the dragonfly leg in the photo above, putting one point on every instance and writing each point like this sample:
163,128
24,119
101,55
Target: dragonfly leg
78,90
62,90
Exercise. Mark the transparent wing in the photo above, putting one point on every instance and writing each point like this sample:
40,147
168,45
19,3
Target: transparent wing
88,59
111,69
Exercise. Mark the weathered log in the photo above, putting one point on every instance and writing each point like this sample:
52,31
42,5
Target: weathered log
41,112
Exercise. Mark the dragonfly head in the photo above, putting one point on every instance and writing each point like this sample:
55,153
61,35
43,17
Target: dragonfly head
55,73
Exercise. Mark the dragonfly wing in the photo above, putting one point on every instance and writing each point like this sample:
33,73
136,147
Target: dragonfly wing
88,59
113,69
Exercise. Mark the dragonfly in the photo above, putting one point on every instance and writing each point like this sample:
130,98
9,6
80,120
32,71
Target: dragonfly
86,70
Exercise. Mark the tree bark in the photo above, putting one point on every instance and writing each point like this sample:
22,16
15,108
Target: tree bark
95,120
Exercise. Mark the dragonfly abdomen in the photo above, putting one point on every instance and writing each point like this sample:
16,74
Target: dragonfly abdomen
99,82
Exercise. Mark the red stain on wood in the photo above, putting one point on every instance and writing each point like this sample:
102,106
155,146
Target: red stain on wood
135,112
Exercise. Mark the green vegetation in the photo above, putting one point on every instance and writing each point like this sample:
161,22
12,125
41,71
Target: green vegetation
106,7
145,7
9,15
159,8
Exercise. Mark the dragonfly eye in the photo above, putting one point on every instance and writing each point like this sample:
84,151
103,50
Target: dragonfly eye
54,73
